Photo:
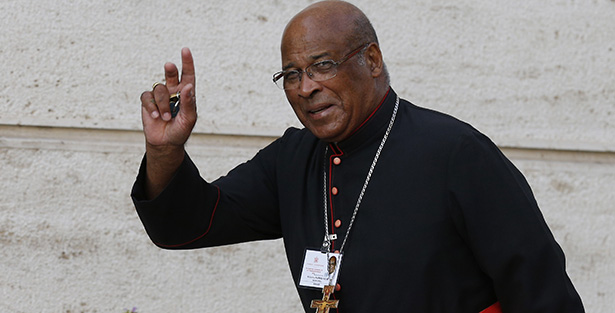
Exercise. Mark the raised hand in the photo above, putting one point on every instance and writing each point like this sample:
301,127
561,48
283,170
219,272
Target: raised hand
165,136
160,128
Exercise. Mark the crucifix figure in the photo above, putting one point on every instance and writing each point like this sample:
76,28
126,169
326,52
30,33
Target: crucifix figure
325,304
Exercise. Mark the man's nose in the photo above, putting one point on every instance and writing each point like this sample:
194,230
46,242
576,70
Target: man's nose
307,86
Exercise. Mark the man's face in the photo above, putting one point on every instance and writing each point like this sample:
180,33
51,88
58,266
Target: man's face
334,108
332,263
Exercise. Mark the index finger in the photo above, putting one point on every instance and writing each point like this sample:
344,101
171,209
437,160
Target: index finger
187,67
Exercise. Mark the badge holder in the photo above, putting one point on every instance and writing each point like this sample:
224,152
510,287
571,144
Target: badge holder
320,269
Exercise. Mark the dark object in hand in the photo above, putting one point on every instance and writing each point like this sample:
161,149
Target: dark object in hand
174,104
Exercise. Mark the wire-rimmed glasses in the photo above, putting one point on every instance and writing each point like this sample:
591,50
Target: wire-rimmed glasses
319,71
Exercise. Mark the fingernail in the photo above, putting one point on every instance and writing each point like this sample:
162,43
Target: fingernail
155,114
166,116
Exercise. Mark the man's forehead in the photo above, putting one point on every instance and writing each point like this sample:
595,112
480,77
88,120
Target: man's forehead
313,32
309,43
302,53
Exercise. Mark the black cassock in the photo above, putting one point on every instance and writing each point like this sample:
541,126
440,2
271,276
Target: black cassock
447,223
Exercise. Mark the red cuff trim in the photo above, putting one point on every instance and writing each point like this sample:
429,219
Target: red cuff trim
211,220
494,308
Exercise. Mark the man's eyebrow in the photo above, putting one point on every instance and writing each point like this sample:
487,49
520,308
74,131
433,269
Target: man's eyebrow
318,56
313,57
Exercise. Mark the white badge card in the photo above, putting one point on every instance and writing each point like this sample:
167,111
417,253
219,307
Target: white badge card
320,269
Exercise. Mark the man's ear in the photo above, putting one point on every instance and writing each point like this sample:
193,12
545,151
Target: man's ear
373,58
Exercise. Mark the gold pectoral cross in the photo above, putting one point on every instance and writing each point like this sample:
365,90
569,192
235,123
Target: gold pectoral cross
325,304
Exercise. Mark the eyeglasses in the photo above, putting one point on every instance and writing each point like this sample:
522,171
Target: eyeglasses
319,71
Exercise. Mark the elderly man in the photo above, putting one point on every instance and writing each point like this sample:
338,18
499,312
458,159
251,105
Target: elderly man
421,212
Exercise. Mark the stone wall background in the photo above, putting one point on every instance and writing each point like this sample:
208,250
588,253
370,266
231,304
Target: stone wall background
536,77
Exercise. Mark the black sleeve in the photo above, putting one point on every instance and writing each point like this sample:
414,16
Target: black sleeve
192,213
498,216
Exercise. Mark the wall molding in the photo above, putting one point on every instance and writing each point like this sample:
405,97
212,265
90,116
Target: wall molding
132,141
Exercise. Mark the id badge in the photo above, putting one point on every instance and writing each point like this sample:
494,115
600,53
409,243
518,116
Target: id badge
320,269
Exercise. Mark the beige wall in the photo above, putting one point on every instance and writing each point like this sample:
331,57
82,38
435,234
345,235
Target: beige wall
536,76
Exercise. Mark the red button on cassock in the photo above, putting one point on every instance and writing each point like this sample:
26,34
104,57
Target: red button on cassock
338,223
337,161
334,191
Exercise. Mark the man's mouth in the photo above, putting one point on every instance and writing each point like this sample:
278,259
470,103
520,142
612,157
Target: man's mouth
319,109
